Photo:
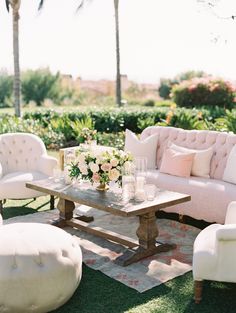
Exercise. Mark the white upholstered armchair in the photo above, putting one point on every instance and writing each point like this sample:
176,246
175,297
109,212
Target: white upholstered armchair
214,255
23,158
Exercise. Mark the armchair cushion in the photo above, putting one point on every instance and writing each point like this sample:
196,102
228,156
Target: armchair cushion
12,185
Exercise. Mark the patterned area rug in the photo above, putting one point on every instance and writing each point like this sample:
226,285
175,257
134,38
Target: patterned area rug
99,253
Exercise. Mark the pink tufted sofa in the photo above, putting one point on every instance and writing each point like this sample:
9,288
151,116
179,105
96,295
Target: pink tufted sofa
210,196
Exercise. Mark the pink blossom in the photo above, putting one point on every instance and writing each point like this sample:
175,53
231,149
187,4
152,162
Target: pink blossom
106,167
96,177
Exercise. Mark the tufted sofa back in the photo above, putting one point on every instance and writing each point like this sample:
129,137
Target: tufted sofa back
20,152
222,144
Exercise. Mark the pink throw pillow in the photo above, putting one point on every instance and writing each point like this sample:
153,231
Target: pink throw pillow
177,163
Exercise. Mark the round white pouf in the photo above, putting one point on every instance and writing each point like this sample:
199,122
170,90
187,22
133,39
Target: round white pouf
40,267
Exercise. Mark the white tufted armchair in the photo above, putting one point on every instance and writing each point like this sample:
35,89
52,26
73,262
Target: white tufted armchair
214,255
23,158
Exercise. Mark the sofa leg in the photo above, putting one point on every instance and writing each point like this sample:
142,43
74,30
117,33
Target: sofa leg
198,284
181,218
52,202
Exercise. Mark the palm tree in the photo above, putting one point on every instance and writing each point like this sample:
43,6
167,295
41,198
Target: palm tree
118,80
15,6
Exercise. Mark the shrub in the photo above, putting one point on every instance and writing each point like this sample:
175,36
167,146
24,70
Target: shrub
6,88
204,92
39,85
166,85
149,103
116,140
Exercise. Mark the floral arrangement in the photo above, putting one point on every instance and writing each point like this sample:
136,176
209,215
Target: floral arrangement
87,135
102,167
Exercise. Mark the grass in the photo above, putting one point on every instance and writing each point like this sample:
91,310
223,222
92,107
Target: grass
98,293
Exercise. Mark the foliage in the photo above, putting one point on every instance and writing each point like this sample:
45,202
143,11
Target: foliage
52,139
204,92
190,75
143,123
39,85
6,88
166,85
99,168
183,118
228,122
64,126
64,129
115,140
149,103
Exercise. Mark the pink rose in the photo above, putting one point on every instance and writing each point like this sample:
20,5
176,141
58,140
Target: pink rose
96,177
106,167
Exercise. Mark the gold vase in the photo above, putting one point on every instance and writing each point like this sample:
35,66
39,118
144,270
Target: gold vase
102,187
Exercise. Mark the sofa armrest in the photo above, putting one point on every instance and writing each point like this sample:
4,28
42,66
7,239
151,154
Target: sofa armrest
226,232
231,213
46,164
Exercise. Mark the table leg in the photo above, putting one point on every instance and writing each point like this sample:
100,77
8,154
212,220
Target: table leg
147,233
66,209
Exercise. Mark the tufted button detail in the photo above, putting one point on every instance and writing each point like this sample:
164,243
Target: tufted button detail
10,152
20,151
16,161
26,160
64,253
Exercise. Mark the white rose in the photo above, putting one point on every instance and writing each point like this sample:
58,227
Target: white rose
81,158
99,160
93,167
114,174
83,169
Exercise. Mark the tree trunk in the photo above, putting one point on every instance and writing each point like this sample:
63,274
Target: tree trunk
17,84
118,80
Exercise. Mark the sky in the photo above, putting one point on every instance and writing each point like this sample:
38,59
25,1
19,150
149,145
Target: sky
158,38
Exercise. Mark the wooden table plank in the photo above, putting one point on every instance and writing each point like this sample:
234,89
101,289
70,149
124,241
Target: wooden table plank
109,201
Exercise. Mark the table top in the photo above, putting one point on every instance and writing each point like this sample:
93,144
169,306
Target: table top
110,200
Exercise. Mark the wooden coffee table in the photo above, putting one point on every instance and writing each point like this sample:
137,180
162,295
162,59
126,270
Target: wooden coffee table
111,201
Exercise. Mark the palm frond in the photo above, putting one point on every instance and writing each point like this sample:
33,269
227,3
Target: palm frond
7,4
40,4
82,3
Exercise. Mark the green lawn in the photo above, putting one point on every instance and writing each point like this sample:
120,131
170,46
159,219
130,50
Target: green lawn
98,293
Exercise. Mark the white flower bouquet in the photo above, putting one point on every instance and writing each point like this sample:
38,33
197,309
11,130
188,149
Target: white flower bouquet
102,167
